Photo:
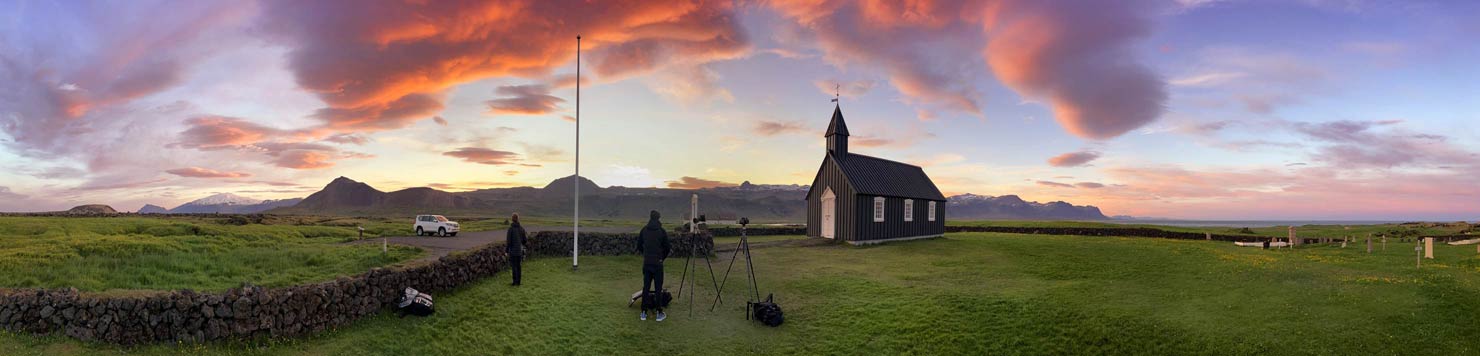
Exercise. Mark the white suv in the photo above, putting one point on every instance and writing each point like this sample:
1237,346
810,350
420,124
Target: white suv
435,224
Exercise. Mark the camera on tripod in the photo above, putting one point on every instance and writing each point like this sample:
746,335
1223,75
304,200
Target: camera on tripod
744,221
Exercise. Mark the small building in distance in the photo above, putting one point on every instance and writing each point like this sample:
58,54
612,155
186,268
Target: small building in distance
861,199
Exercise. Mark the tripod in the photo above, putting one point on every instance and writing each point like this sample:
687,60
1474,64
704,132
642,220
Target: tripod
688,265
749,268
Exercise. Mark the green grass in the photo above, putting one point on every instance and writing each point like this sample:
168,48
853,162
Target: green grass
100,254
963,294
718,241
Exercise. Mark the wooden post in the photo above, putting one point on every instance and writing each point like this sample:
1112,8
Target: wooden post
1418,253
1293,241
1428,248
1369,244
1209,236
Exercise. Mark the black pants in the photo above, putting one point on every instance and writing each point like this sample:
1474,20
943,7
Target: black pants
652,276
514,262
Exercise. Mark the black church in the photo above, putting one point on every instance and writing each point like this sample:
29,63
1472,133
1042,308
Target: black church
862,199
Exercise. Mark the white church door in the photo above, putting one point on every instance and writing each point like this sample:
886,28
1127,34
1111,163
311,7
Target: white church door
829,213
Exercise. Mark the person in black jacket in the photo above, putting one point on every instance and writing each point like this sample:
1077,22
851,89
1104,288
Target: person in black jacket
652,242
514,245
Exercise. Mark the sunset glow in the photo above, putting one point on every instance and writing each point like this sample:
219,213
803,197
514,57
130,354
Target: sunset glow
1177,109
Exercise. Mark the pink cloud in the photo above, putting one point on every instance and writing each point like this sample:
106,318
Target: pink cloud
1078,59
773,128
1053,184
918,43
481,155
524,100
303,159
1073,159
197,172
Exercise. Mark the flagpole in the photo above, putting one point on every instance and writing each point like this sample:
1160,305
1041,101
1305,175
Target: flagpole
575,247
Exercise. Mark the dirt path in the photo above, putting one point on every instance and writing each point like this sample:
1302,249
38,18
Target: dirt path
436,247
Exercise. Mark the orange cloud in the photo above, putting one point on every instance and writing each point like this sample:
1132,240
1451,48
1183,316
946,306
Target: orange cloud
213,132
197,172
481,155
304,159
383,67
1073,159
697,183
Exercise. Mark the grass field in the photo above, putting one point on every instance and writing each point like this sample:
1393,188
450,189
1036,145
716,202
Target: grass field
964,294
98,254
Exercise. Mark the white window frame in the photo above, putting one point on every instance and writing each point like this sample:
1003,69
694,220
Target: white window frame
931,217
909,210
879,209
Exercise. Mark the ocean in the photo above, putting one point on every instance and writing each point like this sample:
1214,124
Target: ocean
1252,223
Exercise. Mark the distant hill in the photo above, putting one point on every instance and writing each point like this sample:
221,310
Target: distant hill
227,203
153,209
1011,207
91,209
222,203
344,196
347,196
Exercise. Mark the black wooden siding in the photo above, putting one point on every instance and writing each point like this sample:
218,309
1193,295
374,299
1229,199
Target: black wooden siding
829,176
894,225
857,223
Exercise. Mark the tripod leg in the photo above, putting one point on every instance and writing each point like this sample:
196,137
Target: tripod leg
684,278
721,288
751,268
691,284
715,281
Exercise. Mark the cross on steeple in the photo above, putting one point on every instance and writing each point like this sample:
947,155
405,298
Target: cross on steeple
837,92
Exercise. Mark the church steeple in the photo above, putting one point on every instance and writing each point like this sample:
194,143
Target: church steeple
837,134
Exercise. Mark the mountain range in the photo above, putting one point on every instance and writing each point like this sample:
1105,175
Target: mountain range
221,203
345,196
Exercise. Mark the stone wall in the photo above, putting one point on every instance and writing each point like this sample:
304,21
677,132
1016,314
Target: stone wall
1107,231
252,312
558,243
758,231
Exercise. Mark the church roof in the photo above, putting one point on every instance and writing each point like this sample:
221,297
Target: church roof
878,176
837,127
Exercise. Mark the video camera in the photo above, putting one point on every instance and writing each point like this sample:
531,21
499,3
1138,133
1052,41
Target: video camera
744,221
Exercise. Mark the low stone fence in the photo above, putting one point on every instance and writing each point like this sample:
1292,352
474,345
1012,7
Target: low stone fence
1110,231
252,312
558,243
758,231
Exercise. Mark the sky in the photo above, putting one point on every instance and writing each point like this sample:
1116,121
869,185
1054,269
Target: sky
1193,109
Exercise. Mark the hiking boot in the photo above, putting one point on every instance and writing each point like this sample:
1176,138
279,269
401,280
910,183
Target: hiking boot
662,316
642,316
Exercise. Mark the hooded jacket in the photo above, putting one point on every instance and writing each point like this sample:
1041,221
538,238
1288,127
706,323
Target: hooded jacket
514,243
652,241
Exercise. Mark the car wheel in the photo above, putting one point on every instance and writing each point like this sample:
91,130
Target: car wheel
419,232
442,231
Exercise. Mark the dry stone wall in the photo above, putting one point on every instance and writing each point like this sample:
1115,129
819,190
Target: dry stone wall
252,312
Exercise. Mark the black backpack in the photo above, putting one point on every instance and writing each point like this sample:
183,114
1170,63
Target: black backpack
415,303
767,312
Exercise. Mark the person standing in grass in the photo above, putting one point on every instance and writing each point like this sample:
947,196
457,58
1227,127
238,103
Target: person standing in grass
514,245
652,242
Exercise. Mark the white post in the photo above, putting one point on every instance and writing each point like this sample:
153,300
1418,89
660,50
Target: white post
575,246
694,214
